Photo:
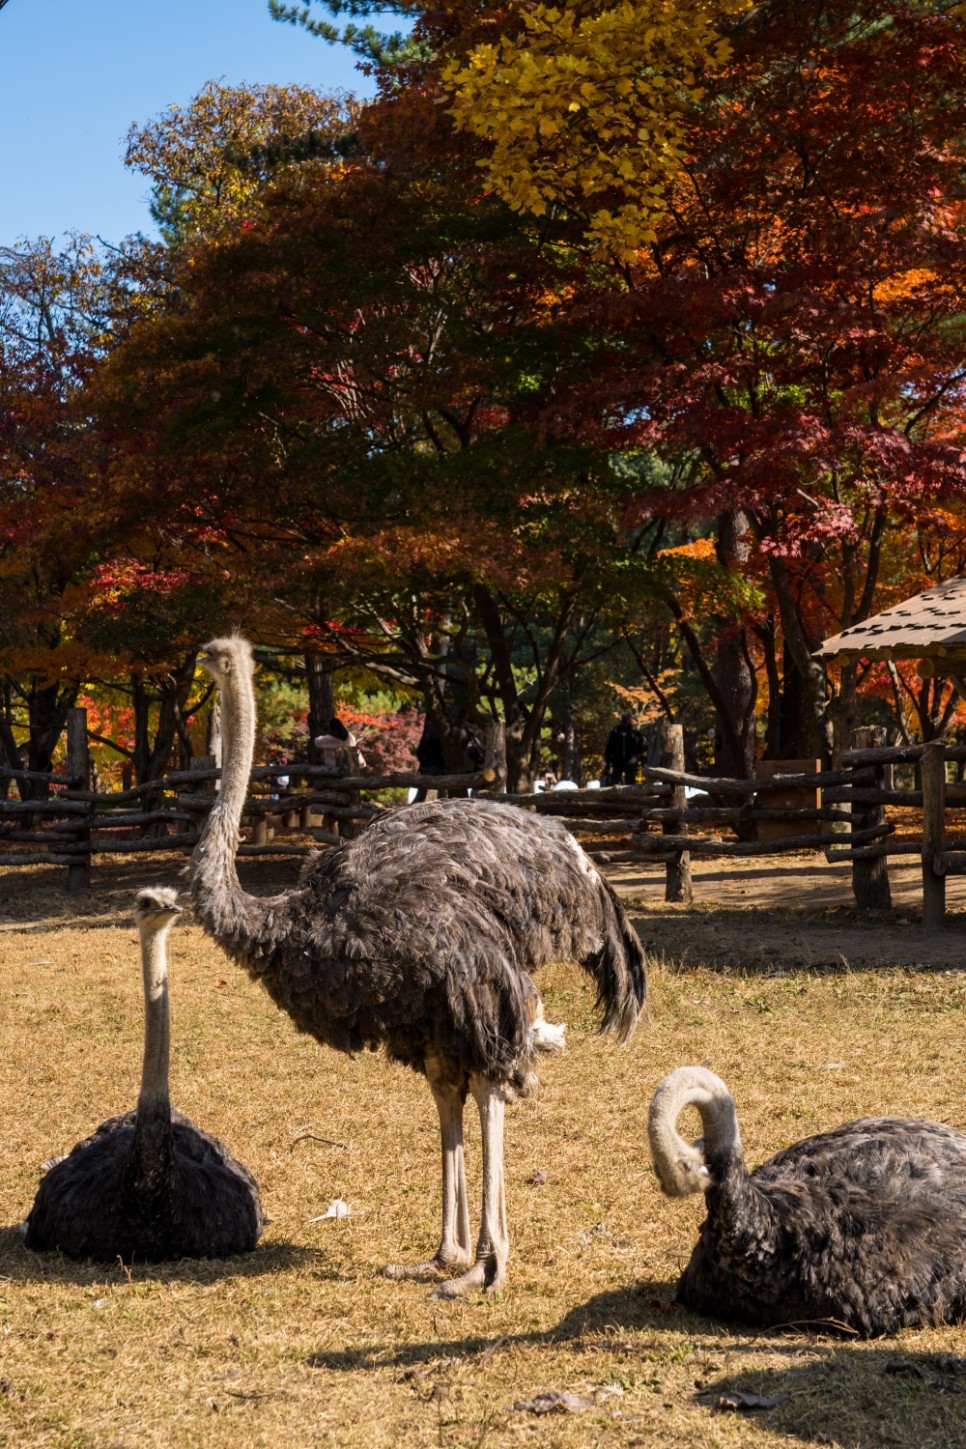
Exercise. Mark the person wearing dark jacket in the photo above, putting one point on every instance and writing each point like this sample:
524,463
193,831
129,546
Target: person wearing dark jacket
429,753
622,755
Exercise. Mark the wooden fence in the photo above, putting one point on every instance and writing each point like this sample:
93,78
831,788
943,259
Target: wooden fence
670,818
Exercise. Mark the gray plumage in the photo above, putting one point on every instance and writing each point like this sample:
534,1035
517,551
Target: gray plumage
420,936
148,1185
863,1226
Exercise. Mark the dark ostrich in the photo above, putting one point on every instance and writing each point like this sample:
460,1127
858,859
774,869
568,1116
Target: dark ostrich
863,1227
149,1185
420,936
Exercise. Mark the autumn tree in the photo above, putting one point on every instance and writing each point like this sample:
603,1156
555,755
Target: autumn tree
344,403
793,335
209,162
52,321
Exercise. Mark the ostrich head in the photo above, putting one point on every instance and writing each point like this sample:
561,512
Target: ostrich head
228,659
682,1166
156,908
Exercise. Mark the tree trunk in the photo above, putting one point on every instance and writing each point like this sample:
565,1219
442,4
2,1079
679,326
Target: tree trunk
318,674
766,633
805,725
571,767
47,707
152,753
735,678
844,712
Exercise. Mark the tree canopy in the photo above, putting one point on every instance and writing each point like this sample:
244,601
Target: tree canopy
630,335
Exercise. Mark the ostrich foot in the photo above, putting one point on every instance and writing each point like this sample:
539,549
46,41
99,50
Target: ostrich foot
487,1275
435,1267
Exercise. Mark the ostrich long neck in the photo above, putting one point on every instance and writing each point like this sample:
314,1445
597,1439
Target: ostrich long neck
739,1210
157,1022
232,916
682,1166
152,1149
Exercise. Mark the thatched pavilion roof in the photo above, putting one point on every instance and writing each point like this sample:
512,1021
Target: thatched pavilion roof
927,626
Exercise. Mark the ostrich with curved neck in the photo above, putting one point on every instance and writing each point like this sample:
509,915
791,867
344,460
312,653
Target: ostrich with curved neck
863,1226
420,936
682,1167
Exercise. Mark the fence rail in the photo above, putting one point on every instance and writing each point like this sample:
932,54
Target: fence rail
672,816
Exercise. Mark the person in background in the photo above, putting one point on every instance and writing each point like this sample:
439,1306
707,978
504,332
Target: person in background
282,780
338,745
429,753
473,751
622,755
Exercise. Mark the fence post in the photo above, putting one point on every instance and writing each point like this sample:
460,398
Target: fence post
494,757
79,772
870,877
932,769
678,885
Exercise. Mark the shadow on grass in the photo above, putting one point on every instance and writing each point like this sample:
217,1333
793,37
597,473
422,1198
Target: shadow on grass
852,1397
822,942
642,1307
19,1264
41,902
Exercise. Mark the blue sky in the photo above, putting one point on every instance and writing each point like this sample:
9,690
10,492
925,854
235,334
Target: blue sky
75,76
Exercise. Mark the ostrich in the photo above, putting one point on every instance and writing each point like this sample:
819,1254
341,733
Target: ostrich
864,1226
420,936
148,1185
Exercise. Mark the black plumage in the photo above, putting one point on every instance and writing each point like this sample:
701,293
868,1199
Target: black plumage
421,936
148,1185
863,1226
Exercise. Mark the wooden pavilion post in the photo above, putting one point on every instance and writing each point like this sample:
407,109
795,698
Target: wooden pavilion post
678,885
870,877
933,774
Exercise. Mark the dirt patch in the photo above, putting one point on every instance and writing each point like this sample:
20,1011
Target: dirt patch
786,912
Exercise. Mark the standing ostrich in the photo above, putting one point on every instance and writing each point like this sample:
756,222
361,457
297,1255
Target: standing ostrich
148,1185
419,935
864,1226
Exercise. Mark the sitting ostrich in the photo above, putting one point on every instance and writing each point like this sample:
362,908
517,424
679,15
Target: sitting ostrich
148,1185
420,936
864,1226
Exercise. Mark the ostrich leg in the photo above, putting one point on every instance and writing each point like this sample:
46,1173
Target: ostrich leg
454,1244
489,1270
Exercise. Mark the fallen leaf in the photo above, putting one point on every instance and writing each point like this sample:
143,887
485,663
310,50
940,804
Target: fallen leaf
336,1209
742,1401
553,1402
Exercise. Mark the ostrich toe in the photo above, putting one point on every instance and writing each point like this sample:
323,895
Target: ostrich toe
436,1267
487,1275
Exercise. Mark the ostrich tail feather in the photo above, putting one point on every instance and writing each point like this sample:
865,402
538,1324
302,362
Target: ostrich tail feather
619,968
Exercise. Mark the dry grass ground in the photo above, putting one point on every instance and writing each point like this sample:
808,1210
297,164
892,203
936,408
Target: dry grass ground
305,1344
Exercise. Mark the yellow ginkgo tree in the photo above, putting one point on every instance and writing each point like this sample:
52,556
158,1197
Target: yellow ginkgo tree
586,107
